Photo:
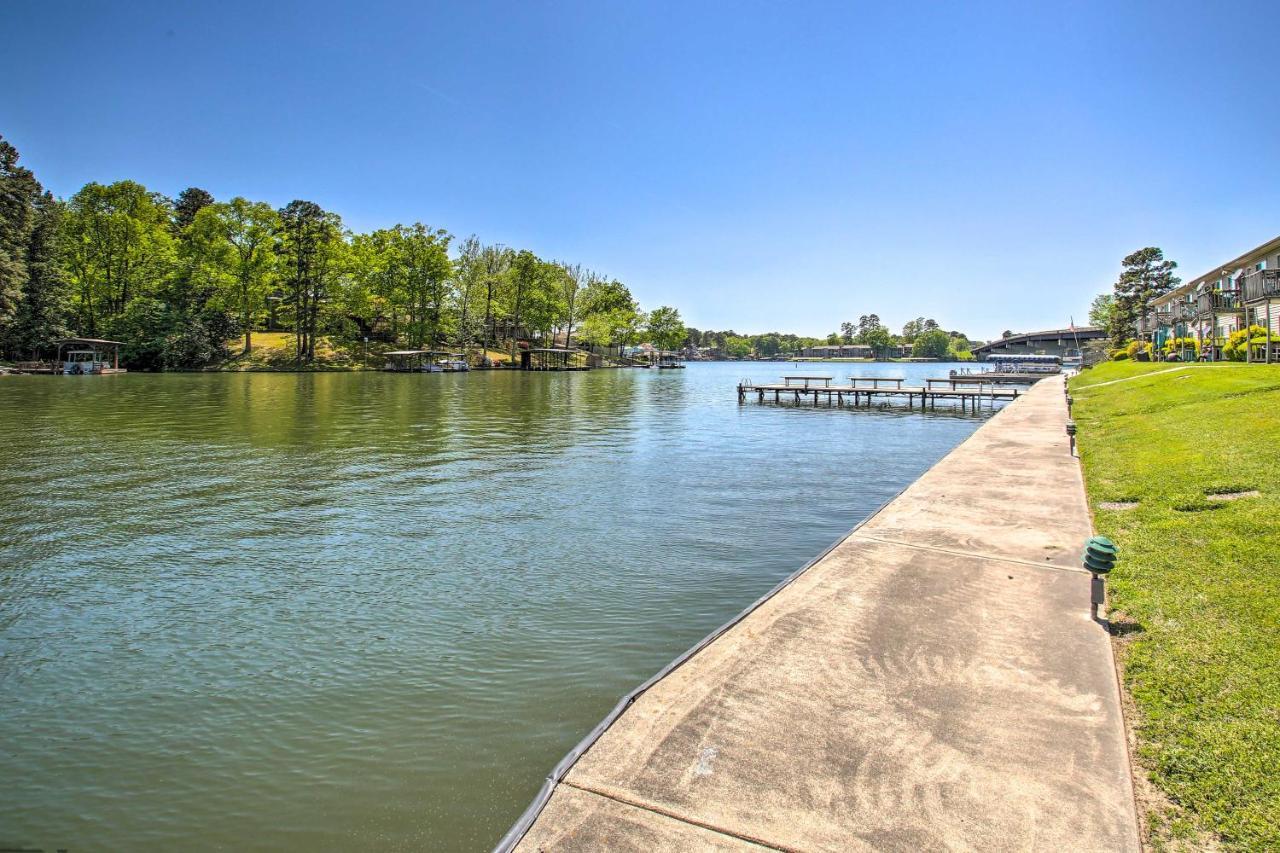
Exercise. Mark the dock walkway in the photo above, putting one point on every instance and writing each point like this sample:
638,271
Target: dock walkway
868,391
934,681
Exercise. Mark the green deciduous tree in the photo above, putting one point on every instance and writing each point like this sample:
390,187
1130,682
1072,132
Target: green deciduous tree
878,338
426,272
572,278
665,329
237,242
1101,309
737,346
118,244
933,343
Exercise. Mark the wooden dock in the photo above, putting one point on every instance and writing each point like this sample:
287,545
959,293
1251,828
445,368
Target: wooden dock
866,391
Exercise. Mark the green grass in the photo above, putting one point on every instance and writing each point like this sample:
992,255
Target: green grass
1198,579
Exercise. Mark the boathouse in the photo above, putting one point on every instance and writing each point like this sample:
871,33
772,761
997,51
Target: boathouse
87,356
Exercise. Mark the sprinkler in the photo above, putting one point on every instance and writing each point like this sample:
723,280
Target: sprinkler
1071,434
1099,558
1070,400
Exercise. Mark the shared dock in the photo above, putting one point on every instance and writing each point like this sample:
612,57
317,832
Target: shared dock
933,682
883,390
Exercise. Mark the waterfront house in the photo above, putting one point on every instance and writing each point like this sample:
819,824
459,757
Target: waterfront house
1241,292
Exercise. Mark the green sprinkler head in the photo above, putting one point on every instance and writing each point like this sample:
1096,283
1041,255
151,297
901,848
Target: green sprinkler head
1100,555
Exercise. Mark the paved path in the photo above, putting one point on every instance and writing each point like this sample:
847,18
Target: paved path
1138,376
934,682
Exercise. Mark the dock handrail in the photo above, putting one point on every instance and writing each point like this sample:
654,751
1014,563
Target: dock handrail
807,378
876,380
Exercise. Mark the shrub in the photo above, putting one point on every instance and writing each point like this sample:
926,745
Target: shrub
1237,350
1139,350
1120,354
1179,344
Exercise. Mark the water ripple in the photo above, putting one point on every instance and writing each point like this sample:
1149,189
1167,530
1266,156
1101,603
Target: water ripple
292,611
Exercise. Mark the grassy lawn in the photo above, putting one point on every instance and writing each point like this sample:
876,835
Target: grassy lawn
1198,583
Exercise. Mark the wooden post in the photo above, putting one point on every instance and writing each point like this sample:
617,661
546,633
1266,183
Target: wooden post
1248,348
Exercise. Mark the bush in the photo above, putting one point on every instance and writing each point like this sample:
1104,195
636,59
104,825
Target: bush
158,337
1236,348
1173,345
1120,354
1139,350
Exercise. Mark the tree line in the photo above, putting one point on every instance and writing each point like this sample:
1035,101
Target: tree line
925,337
179,281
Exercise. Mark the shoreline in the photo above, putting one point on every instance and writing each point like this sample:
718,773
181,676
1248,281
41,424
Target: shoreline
900,569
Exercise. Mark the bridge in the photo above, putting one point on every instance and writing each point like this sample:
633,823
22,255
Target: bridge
1049,342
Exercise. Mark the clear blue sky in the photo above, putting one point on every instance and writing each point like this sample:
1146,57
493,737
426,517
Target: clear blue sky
779,166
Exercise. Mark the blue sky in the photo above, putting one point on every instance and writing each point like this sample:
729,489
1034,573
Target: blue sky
780,166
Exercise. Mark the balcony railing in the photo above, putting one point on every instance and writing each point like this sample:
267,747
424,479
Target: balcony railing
1218,302
1261,284
1153,321
1181,312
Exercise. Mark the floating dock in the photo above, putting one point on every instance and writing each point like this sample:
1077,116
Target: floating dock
872,390
933,682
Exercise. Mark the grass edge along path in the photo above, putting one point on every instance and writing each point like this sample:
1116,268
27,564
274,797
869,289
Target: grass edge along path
1182,469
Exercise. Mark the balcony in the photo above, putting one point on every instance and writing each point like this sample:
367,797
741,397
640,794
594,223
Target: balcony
1181,312
1261,284
1219,302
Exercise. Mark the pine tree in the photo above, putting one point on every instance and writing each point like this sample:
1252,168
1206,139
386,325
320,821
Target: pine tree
42,315
18,188
189,203
1146,275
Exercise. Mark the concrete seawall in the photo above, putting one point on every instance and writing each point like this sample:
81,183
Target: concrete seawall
933,682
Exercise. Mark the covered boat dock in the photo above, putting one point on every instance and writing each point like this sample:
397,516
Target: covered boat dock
552,358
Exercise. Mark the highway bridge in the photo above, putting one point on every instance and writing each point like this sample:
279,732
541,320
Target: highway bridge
1049,342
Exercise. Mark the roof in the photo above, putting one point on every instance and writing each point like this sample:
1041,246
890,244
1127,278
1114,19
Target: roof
89,341
407,352
552,349
1087,332
1216,273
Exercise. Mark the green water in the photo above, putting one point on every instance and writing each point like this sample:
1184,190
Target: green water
336,611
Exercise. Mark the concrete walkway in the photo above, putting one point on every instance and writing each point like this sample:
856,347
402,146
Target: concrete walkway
934,682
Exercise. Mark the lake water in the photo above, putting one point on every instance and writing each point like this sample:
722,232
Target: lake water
302,611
